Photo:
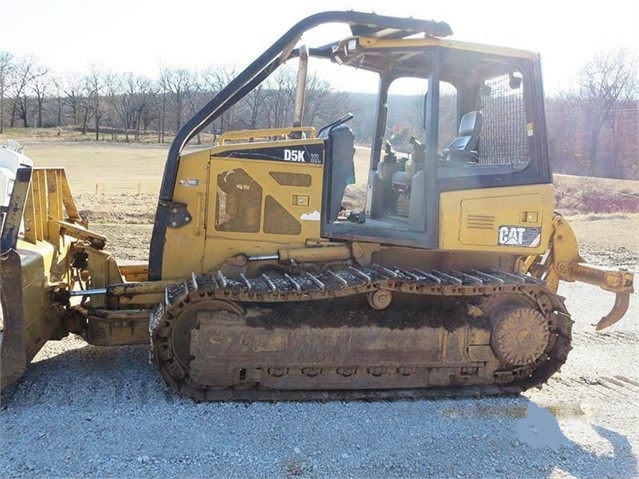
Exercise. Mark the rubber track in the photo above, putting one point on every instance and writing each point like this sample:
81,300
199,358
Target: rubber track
340,282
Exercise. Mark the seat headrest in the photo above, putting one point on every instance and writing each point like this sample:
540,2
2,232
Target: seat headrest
470,123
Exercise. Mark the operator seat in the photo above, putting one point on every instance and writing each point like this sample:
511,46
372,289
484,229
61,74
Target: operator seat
463,149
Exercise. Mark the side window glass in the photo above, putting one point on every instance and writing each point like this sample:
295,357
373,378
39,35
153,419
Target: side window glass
448,124
405,112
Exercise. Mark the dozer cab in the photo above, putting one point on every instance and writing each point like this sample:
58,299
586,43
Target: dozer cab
440,278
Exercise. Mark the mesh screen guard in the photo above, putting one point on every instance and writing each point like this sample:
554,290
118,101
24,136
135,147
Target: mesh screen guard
503,138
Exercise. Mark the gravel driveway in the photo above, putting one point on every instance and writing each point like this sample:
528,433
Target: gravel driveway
84,411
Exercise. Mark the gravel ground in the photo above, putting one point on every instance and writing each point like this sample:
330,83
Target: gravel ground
85,411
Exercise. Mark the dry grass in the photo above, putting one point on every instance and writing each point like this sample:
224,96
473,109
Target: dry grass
103,167
583,194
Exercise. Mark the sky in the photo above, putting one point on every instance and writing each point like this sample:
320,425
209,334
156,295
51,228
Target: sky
142,36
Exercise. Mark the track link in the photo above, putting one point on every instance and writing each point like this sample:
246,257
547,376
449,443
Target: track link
473,286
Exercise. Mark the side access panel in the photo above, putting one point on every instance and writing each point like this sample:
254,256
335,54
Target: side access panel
511,220
263,198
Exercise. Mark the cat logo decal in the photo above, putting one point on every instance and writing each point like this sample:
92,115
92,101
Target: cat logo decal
519,236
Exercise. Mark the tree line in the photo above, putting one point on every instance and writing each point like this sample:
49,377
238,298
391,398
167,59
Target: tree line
593,128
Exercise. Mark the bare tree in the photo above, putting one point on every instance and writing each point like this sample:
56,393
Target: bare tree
56,97
111,88
39,86
129,97
323,103
608,83
160,106
26,70
94,88
564,137
176,82
149,111
7,77
280,103
71,88
194,99
214,79
143,101
120,99
254,101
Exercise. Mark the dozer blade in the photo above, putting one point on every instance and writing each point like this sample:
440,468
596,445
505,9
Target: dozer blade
13,355
29,317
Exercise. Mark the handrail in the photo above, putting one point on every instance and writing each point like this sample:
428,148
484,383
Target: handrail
292,133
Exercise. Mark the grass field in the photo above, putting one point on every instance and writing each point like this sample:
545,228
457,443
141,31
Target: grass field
103,167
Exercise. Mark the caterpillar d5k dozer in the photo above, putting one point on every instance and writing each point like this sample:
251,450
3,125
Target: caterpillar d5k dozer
259,286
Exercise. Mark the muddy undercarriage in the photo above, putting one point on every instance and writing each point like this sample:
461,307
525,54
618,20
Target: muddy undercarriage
365,332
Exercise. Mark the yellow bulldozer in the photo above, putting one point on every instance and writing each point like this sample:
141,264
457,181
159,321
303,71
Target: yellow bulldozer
262,285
